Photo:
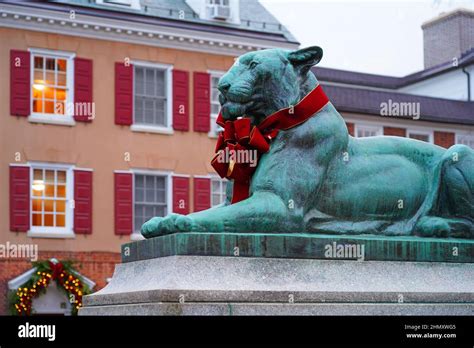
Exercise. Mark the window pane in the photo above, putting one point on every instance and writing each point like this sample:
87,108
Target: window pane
160,112
139,211
49,93
50,64
49,220
215,108
139,116
49,107
61,176
49,190
62,64
215,186
149,111
160,196
37,205
139,81
60,94
139,181
60,220
38,76
50,79
61,79
216,199
61,191
422,137
150,195
149,212
60,206
38,62
160,211
139,194
37,220
49,176
160,182
150,82
160,83
38,174
49,205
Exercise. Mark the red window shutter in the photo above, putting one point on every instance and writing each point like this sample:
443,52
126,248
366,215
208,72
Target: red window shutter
123,94
180,195
19,198
83,201
20,83
444,139
83,88
202,102
123,203
202,194
180,100
350,128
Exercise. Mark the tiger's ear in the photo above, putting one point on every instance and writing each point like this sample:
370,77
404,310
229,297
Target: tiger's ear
305,58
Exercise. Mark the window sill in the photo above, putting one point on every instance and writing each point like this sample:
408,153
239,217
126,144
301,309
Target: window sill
152,129
51,234
136,236
42,118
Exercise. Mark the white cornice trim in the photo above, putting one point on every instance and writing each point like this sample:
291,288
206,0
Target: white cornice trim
20,17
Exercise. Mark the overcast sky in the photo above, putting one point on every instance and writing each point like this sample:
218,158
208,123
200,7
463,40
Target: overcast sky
374,36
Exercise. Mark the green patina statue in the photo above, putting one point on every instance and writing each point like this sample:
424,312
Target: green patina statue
311,175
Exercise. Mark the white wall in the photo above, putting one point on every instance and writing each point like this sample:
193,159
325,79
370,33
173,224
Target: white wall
451,85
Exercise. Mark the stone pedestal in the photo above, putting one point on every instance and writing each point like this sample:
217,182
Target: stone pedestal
162,276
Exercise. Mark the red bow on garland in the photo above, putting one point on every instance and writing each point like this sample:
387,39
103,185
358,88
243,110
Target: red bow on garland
240,138
56,269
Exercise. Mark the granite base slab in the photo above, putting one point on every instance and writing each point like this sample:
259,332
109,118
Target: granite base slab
217,285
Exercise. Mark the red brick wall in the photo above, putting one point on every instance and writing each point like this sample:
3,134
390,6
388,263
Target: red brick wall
350,128
399,132
444,139
97,266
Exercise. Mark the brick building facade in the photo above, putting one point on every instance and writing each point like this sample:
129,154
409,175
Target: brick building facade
141,79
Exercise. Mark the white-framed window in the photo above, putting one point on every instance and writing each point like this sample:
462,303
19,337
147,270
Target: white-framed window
51,200
215,76
152,97
151,196
52,82
425,136
218,190
465,139
363,131
218,9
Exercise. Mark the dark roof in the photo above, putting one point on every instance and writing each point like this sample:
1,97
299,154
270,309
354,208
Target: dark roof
389,82
366,101
254,16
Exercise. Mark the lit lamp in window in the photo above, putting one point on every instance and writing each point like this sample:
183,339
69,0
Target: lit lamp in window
38,185
38,86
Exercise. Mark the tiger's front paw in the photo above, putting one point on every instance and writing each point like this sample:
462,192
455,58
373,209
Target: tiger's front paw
159,226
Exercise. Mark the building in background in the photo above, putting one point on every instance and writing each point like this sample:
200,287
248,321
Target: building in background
108,115
108,118
434,105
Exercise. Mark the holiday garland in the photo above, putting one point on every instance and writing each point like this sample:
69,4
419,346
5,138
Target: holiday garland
66,278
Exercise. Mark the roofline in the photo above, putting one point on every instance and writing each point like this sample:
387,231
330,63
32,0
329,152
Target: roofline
446,15
146,31
145,19
409,98
403,81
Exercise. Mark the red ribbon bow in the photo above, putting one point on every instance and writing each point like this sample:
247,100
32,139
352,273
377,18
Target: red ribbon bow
56,269
240,141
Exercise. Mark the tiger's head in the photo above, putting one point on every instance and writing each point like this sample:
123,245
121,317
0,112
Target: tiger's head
262,82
